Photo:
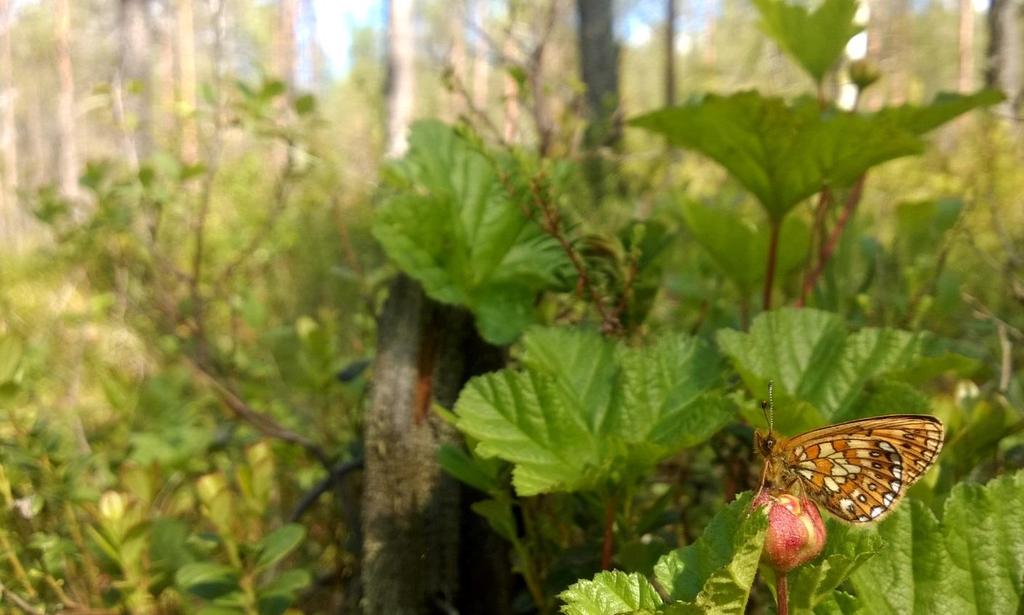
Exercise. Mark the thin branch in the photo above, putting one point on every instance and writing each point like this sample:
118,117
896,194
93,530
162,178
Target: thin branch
259,421
610,322
335,476
829,247
24,605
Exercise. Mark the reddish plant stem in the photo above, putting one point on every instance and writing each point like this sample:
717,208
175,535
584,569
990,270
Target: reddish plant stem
609,534
773,257
610,323
782,593
829,247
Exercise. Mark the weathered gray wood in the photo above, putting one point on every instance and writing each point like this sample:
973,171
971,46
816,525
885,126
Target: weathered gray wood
415,527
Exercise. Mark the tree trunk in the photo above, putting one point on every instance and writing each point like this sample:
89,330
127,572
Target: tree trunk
284,48
67,164
135,83
400,82
670,53
965,42
599,67
510,111
12,221
419,539
478,14
186,39
1003,66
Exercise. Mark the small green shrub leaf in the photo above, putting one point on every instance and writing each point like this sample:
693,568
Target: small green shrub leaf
739,248
972,561
782,152
813,359
584,410
207,580
279,543
610,593
847,549
721,564
454,227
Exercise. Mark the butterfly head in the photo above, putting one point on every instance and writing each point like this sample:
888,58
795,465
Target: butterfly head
766,442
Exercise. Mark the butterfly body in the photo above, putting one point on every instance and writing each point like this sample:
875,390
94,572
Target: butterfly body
858,470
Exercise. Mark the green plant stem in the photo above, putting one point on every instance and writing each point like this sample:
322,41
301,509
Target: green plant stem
773,257
529,568
608,543
782,593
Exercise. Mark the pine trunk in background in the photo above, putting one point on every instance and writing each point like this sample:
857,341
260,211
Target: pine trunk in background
67,154
12,220
421,543
965,42
599,68
477,14
670,53
136,89
400,79
186,47
284,44
1003,61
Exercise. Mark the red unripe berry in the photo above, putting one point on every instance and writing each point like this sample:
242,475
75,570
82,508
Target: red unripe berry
796,533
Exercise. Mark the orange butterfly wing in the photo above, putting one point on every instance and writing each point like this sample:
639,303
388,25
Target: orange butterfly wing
858,470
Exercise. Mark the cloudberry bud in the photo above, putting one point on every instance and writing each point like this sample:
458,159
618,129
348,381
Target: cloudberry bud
796,533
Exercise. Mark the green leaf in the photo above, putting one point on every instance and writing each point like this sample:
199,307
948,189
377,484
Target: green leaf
715,573
945,107
288,581
584,411
812,358
782,153
972,561
499,515
477,473
815,39
454,227
740,248
11,351
305,104
279,543
840,603
207,580
847,549
609,593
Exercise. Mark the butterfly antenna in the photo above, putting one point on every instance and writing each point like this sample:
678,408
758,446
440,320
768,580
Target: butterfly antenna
770,411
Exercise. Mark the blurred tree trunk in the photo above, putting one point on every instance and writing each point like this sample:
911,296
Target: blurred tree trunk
599,67
135,84
670,53
186,46
1003,65
965,42
284,44
477,12
421,544
457,65
12,220
401,75
510,111
67,164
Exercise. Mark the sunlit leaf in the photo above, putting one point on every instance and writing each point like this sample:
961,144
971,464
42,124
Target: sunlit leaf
815,39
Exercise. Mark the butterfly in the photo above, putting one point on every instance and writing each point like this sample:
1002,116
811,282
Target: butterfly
859,469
